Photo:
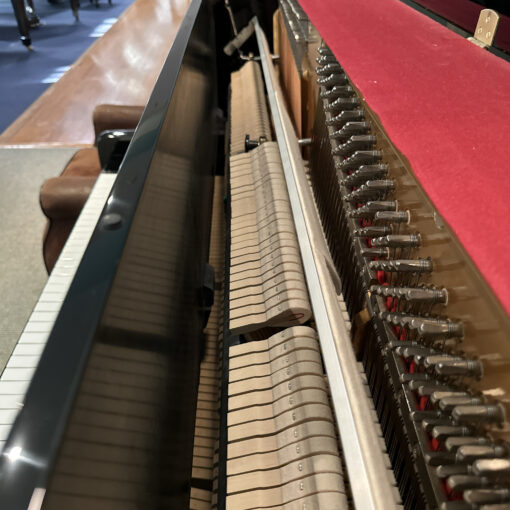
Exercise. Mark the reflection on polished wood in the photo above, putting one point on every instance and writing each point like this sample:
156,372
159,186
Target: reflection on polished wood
120,68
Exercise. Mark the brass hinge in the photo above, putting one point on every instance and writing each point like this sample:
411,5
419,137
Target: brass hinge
485,28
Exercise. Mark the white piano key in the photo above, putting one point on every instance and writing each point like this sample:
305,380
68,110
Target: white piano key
47,306
13,387
18,373
52,297
63,272
44,316
39,327
59,278
8,416
14,401
30,337
4,432
23,361
27,350
59,288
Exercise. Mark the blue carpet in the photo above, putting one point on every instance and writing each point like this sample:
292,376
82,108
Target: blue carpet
58,42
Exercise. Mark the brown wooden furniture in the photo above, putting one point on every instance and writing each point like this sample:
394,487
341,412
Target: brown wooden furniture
63,197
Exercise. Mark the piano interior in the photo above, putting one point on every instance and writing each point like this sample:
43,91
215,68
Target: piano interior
270,312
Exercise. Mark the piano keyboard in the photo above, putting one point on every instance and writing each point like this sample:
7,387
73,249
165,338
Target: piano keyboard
267,284
23,361
282,446
248,112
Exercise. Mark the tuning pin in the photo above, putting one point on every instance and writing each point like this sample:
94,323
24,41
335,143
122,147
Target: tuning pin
350,129
411,294
416,376
416,353
355,143
375,252
341,104
452,469
328,58
370,208
459,483
494,413
439,458
371,190
393,217
434,328
331,68
436,396
425,390
424,295
337,91
460,368
340,120
441,433
365,173
470,452
324,50
371,231
446,404
495,469
400,319
333,79
403,266
398,241
427,424
431,362
357,159
454,442
486,496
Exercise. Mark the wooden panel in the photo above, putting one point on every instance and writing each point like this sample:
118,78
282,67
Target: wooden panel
120,68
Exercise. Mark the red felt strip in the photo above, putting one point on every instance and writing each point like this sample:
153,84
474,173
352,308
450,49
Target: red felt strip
445,103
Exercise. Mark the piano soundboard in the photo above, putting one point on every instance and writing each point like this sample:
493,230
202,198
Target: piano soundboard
336,362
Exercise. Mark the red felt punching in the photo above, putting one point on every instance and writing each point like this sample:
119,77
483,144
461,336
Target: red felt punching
445,103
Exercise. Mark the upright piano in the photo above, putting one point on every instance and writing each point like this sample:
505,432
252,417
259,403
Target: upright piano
269,305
